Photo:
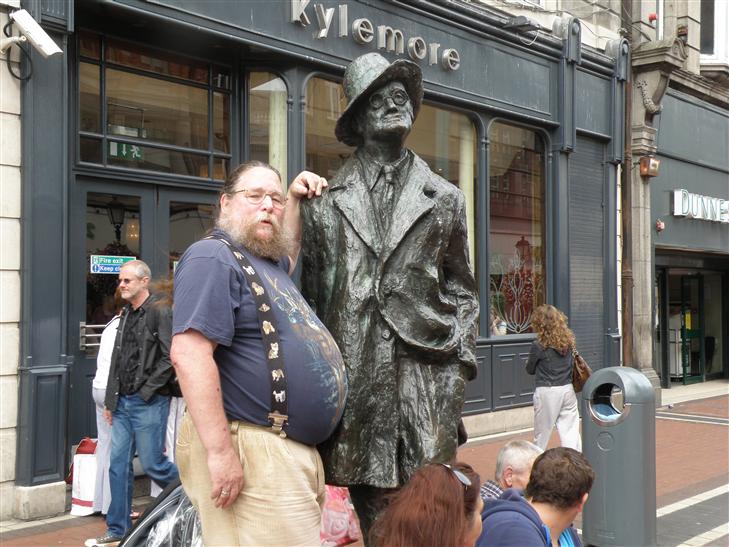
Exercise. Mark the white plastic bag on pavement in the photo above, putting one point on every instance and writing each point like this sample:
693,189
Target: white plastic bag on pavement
84,484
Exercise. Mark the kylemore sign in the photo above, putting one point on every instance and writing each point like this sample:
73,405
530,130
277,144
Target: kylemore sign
364,32
688,205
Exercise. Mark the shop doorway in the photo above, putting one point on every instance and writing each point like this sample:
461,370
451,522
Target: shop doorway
154,224
690,323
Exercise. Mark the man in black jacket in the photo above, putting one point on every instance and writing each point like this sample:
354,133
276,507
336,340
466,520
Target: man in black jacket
137,399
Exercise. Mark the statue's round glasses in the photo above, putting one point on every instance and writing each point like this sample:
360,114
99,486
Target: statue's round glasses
399,97
464,480
256,197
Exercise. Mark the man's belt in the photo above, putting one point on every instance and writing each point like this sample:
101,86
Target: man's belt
269,336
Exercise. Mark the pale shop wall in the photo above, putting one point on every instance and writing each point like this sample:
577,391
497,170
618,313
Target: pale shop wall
10,250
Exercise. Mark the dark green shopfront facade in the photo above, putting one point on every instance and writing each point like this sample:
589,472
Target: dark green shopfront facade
127,137
690,198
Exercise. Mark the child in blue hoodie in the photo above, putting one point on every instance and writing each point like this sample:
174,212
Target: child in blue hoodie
558,488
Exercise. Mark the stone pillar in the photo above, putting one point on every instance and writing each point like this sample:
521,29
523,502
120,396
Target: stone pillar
10,209
653,63
688,29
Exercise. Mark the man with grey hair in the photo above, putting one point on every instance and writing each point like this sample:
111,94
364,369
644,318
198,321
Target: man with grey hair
513,465
137,395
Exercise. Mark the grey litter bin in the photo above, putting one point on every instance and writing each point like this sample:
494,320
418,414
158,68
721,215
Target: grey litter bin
619,441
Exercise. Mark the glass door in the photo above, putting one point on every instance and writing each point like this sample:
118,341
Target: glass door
715,321
662,340
692,331
114,223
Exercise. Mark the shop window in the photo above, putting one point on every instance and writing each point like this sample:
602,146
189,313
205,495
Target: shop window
446,140
325,101
714,38
189,222
707,27
89,98
160,113
267,120
167,112
517,234
135,57
89,46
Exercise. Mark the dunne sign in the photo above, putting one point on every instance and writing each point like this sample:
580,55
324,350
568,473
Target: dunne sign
686,204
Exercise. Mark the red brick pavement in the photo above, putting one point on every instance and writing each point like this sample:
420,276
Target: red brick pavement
717,407
691,458
68,532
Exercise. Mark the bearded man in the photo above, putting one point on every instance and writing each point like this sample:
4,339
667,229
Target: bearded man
263,379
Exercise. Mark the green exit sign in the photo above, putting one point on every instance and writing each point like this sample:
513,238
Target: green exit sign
124,151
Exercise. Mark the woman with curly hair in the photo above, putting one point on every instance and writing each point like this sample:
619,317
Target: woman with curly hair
550,358
440,506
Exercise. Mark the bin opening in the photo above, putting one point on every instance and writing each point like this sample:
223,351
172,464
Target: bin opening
607,402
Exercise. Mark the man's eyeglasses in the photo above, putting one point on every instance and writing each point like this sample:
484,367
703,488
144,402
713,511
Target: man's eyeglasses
464,480
399,97
128,280
256,197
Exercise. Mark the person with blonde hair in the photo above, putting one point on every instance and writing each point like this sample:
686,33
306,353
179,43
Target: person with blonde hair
550,359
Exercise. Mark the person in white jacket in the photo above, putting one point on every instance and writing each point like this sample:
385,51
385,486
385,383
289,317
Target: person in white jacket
102,494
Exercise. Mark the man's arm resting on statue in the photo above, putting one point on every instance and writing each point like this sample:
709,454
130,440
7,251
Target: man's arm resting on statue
192,357
306,185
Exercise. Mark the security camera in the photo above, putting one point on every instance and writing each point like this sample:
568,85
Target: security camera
32,32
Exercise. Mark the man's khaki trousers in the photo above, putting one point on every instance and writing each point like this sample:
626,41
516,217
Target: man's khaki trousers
283,489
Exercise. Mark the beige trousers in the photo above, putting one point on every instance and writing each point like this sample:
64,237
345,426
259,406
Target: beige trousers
283,489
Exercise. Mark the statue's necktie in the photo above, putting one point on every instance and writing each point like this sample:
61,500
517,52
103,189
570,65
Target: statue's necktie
385,192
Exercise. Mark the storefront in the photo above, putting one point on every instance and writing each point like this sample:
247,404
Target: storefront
132,131
690,205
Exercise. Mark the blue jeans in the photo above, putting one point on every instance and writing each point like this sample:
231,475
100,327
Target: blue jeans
139,426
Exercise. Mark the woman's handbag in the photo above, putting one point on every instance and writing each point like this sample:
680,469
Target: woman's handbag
580,371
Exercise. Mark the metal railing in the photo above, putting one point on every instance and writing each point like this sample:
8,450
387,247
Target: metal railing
89,336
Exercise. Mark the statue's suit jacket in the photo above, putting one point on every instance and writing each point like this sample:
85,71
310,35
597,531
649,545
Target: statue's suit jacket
403,309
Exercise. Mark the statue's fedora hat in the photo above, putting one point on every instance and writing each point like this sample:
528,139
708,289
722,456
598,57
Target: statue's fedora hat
366,74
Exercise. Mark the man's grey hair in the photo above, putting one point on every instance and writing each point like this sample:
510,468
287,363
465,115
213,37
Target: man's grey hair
516,454
139,267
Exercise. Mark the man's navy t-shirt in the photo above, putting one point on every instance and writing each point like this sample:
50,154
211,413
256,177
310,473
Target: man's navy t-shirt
213,298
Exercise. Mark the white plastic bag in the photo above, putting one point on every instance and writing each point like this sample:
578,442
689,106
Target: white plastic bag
84,484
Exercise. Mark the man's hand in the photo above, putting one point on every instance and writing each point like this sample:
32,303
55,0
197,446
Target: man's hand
306,185
226,474
107,416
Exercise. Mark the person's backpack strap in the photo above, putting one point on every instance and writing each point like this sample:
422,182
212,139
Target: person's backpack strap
269,335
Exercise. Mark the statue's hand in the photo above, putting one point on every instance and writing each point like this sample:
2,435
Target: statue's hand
307,185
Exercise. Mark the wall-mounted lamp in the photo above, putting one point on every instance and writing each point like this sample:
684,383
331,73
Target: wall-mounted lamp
649,166
660,225
132,230
522,23
116,212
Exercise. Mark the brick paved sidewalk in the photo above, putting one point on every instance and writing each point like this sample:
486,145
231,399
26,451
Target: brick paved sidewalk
692,458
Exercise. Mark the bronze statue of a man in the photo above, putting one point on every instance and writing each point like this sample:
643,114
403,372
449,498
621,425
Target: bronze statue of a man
385,264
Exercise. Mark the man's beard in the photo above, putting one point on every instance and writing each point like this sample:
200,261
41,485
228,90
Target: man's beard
244,232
